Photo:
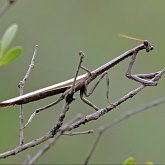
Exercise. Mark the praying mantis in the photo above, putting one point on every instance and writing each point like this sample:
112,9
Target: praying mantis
80,83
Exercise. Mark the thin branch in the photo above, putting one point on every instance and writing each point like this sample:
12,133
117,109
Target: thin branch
47,146
60,120
28,158
25,146
78,133
6,6
93,147
21,119
21,88
31,66
120,119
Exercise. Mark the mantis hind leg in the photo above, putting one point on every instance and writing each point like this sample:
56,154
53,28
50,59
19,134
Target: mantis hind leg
84,92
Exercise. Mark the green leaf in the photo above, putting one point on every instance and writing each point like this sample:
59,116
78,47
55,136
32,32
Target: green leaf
10,55
129,161
7,38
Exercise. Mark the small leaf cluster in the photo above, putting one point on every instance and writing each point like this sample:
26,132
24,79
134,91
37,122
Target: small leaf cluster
8,55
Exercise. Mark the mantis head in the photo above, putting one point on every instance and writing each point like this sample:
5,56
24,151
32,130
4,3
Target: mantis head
147,45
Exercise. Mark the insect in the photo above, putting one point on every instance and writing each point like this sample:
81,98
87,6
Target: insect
81,82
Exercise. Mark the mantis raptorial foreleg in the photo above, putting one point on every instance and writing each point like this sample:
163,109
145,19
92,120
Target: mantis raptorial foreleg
144,79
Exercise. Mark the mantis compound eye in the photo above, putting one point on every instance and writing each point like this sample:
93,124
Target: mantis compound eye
148,46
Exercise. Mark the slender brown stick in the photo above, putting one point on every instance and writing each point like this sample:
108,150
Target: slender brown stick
47,146
78,133
93,147
21,88
6,6
25,146
60,120
31,66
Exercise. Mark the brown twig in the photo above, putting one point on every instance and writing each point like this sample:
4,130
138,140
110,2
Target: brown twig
60,120
93,147
78,133
21,88
31,66
25,146
6,6
47,146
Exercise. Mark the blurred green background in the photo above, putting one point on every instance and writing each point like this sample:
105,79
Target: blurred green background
61,28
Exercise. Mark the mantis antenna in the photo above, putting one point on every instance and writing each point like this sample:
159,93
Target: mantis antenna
131,38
